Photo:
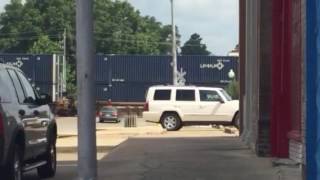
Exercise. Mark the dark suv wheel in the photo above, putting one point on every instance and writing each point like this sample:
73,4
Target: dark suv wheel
171,122
49,170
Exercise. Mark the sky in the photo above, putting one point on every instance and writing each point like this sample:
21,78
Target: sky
215,20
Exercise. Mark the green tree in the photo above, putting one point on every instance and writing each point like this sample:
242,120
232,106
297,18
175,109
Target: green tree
45,46
119,29
194,46
166,39
233,89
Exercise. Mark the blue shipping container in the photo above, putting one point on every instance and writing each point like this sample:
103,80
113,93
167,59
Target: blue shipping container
36,67
151,69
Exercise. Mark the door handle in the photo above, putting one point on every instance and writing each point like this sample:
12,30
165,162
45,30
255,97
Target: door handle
44,123
36,113
22,112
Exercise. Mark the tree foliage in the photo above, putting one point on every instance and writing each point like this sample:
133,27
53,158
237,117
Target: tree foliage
45,46
194,46
233,89
119,29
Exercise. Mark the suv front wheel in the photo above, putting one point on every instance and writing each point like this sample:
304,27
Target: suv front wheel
49,169
171,122
13,170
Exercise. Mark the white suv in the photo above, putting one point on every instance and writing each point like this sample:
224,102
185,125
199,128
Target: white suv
173,106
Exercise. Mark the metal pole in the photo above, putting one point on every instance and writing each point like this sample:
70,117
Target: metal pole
174,46
64,65
87,157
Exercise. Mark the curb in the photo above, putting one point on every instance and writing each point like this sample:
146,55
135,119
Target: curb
73,149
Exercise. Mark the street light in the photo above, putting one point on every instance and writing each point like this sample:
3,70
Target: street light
231,74
174,46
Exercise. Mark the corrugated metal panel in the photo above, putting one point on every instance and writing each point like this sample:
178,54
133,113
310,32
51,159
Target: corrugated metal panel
24,62
36,67
43,68
133,69
157,69
123,92
207,69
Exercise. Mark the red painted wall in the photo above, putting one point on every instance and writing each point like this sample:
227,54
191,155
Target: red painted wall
281,78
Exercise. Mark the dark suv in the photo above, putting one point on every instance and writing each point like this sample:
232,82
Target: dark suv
28,129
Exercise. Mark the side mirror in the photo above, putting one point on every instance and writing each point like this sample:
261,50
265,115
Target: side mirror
45,99
221,101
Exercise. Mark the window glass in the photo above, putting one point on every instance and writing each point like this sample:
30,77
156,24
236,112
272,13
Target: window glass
185,95
6,87
29,91
108,109
162,95
228,97
209,96
17,86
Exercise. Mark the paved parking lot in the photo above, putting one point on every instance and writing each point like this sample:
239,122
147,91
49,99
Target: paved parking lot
113,138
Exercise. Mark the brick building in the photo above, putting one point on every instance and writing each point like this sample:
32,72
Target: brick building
272,71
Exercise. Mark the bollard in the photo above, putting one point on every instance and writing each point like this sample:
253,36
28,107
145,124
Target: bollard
130,121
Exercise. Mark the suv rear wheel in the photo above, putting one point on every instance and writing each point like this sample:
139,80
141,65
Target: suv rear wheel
171,122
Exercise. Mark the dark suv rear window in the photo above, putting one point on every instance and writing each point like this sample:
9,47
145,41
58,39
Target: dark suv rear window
162,95
185,95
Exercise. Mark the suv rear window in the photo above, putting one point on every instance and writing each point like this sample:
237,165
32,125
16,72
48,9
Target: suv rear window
185,95
162,95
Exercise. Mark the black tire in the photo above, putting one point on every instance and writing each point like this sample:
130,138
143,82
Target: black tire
13,170
49,170
236,121
171,122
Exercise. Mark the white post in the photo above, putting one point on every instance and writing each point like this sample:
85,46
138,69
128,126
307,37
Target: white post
174,46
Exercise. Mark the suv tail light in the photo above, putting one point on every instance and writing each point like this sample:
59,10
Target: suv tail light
114,114
1,125
146,106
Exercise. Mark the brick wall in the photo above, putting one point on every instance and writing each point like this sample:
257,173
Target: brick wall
256,99
295,151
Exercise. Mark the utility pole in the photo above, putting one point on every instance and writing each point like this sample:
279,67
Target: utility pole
174,46
87,150
64,62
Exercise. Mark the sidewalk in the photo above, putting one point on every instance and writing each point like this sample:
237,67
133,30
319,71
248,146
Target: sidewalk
193,153
200,158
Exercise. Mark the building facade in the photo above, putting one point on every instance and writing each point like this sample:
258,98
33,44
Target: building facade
273,76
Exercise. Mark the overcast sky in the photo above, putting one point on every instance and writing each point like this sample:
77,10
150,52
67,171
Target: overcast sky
215,20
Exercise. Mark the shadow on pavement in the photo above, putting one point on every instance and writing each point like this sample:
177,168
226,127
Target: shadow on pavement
202,158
